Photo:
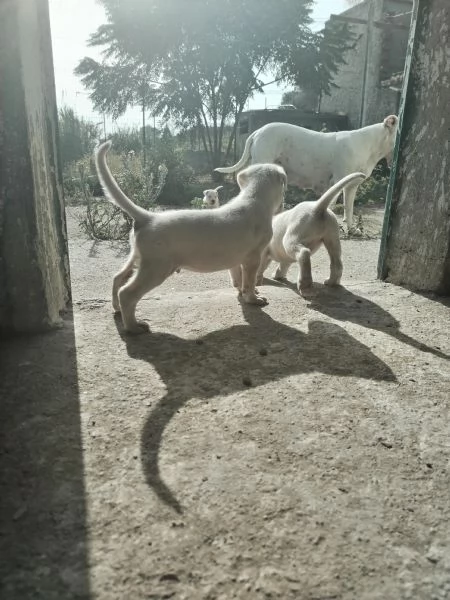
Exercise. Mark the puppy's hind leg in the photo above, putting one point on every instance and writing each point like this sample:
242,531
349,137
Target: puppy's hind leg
333,245
236,277
249,269
303,257
281,272
264,263
148,276
120,279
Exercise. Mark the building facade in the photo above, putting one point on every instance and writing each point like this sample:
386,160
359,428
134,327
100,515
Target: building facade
368,86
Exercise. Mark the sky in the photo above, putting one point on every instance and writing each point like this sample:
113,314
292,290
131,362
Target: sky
72,22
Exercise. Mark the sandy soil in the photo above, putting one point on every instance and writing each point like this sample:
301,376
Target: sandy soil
296,451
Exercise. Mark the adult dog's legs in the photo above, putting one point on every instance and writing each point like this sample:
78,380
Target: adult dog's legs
333,245
303,257
148,276
249,269
349,200
120,279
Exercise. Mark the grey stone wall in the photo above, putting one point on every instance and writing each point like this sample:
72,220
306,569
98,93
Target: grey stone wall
415,248
346,98
386,53
34,267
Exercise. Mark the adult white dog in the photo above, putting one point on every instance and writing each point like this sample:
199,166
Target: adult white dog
231,237
300,231
316,160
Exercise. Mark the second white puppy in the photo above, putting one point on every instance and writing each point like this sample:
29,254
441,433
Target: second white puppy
211,197
300,231
231,237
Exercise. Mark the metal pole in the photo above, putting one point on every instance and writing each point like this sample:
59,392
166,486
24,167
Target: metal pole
366,61
144,152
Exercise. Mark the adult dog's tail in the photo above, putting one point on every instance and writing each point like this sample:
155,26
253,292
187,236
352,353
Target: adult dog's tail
243,160
112,189
324,201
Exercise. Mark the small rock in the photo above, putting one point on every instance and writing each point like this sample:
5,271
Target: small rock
247,381
385,444
263,352
170,577
20,512
318,539
199,342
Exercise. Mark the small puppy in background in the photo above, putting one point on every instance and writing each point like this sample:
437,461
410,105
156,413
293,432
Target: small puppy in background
300,231
231,237
211,197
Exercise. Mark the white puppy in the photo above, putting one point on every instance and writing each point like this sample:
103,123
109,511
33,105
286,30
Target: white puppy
231,237
211,198
316,160
300,231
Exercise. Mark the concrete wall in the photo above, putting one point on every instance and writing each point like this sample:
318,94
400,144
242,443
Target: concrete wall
34,267
415,248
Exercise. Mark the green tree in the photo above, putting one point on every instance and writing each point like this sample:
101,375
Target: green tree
198,62
301,99
77,136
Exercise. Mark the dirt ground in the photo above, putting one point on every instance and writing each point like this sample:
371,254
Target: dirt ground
299,451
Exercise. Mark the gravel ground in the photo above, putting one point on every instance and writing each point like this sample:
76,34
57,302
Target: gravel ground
296,451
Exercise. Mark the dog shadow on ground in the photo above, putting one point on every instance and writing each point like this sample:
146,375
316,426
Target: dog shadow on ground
341,304
227,360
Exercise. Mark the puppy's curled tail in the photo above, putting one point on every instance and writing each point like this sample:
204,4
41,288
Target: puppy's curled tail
324,201
112,189
243,160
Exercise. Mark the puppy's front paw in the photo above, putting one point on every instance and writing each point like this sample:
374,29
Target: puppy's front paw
138,328
254,299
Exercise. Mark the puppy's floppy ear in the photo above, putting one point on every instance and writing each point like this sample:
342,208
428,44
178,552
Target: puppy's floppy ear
391,121
242,178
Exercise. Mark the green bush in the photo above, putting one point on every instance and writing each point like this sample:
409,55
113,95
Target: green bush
180,175
373,190
104,221
77,136
197,202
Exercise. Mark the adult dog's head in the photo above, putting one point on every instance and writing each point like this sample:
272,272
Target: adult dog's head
265,179
390,126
